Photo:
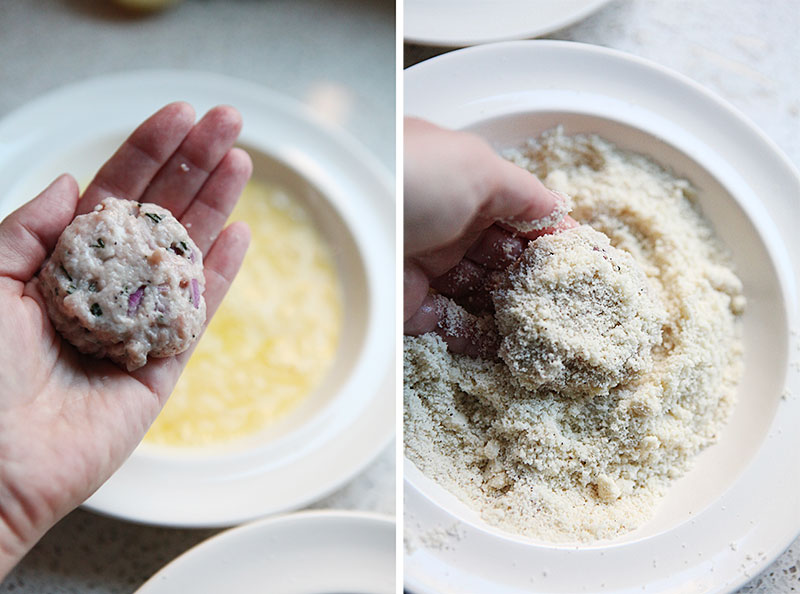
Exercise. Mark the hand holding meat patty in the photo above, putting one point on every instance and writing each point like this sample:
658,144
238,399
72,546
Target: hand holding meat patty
68,420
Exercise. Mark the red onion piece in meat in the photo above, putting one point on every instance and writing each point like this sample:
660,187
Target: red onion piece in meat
134,300
195,293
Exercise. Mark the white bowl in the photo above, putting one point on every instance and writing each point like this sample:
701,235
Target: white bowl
319,551
714,527
469,22
344,424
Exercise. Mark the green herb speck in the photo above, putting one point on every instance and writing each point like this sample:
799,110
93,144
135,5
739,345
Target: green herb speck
71,289
93,287
64,270
96,310
100,243
184,246
153,217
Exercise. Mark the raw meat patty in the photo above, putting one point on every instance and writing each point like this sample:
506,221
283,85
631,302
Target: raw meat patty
126,281
577,315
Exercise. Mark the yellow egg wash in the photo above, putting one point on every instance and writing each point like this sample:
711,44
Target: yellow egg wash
272,339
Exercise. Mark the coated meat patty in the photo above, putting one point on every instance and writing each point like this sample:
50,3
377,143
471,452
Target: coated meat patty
576,315
126,281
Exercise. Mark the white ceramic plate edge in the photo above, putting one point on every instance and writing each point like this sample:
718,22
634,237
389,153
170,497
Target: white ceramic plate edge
514,24
190,565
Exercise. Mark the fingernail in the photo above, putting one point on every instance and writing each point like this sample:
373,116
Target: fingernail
562,205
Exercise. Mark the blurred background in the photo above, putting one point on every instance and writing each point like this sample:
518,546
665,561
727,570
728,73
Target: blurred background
336,58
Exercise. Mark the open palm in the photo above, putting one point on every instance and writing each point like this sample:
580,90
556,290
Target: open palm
68,420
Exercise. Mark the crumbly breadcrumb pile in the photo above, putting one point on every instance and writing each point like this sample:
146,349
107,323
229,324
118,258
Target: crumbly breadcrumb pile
557,462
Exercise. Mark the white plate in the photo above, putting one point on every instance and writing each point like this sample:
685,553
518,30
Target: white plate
304,553
469,22
740,505
350,419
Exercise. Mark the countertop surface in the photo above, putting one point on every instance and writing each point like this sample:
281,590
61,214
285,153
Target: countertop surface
746,51
316,52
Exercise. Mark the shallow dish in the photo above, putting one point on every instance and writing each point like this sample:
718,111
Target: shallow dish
344,424
469,22
712,530
293,554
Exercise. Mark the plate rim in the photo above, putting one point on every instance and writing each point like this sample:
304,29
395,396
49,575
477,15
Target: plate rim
463,39
375,519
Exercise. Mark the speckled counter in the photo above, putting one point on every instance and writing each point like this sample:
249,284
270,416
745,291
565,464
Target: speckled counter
746,51
295,47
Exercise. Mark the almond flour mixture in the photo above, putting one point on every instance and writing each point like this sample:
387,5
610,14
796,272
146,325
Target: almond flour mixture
617,363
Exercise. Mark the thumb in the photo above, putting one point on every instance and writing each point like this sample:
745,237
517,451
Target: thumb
518,199
29,233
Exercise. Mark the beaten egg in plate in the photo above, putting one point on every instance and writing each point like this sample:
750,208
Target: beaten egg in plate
273,338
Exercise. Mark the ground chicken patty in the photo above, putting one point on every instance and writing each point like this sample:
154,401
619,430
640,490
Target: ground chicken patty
126,281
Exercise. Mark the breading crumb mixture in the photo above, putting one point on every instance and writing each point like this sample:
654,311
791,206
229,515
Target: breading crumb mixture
576,315
618,362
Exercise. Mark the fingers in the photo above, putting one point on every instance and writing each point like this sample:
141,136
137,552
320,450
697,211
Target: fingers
464,278
190,170
455,325
425,318
470,281
458,196
567,222
454,181
496,248
223,262
516,195
208,212
30,233
443,184
415,288
462,332
129,171
185,172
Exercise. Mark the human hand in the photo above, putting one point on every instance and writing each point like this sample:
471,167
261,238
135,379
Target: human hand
459,198
68,420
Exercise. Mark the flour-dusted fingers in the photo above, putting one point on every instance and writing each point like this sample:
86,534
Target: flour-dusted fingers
207,213
183,175
464,278
423,319
463,332
496,248
563,223
131,169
